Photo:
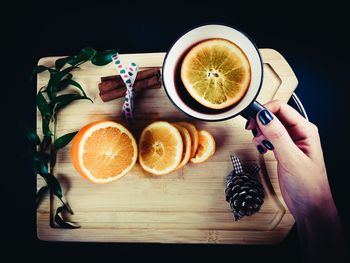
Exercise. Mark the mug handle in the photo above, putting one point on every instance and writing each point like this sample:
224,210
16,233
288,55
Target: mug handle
252,110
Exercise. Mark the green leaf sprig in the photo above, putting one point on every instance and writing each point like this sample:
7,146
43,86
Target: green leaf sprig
50,101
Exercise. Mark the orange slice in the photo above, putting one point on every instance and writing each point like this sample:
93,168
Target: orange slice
216,73
194,136
186,139
160,148
103,151
206,147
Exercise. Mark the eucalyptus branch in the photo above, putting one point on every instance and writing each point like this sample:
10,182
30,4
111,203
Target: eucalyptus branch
49,102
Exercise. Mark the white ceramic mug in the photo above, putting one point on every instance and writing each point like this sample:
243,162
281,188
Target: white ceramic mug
247,106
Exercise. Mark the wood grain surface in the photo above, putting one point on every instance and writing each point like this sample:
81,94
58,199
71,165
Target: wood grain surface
187,206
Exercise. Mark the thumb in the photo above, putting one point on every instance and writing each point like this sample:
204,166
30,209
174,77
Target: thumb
274,131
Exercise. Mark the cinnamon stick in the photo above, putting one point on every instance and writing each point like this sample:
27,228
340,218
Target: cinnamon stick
114,82
118,93
140,85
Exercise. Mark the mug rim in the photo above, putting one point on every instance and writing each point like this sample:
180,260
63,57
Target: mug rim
232,115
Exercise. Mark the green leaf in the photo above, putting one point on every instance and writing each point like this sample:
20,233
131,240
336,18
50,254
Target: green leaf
61,221
40,195
52,86
63,61
64,83
45,142
54,185
86,54
46,126
104,57
76,84
41,68
63,100
64,72
31,135
46,113
42,105
40,163
64,140
68,81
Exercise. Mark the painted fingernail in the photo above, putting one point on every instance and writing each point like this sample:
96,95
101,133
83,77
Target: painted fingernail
261,149
247,124
255,132
267,144
265,117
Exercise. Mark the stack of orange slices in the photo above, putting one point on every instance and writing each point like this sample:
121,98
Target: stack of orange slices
165,147
104,151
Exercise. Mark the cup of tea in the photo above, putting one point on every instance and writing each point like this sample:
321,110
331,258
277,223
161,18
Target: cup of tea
213,73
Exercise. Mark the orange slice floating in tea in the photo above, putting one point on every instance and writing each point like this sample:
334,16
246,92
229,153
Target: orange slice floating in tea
216,73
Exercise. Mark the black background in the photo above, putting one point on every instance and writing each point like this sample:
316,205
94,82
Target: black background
312,37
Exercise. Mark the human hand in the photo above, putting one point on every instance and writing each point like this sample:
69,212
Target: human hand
296,145
302,177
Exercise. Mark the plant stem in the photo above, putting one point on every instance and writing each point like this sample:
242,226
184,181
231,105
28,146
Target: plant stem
54,127
52,166
52,150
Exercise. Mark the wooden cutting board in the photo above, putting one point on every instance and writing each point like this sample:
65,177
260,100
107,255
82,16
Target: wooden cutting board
187,206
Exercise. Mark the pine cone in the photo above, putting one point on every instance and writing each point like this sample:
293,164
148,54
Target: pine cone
244,193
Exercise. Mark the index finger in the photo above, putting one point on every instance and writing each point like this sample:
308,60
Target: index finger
297,126
286,114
